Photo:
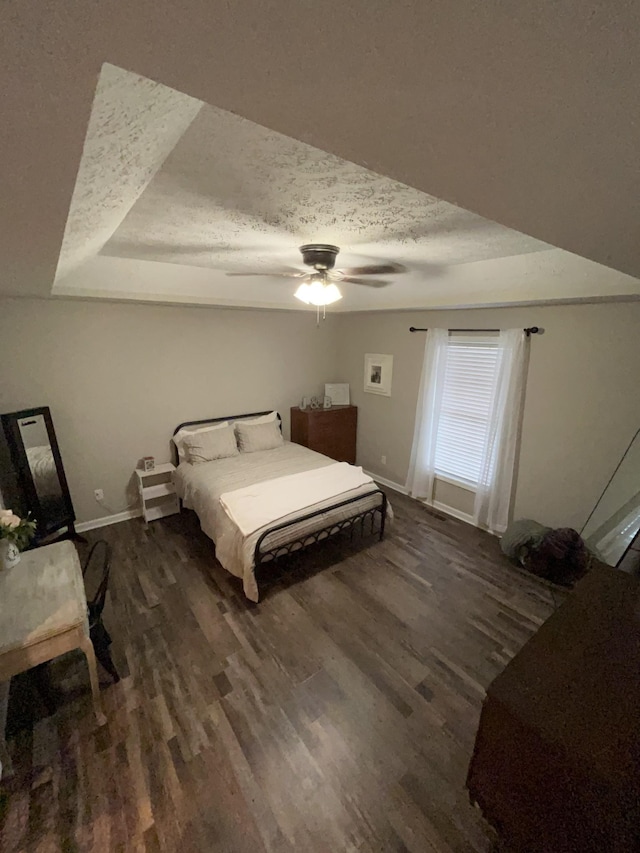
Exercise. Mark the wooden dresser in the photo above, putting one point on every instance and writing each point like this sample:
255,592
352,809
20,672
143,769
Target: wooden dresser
555,765
329,431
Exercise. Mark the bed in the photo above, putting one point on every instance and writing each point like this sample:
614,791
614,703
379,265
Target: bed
209,488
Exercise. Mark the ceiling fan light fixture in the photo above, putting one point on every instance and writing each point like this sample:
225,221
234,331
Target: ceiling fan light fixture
302,293
316,292
331,294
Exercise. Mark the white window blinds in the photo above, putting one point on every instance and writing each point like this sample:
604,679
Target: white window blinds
467,403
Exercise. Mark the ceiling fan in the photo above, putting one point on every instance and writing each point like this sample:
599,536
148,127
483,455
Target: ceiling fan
319,286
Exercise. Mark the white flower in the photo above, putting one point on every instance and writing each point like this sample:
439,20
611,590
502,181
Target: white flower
9,519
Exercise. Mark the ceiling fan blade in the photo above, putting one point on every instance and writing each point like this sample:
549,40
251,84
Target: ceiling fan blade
290,273
367,282
389,268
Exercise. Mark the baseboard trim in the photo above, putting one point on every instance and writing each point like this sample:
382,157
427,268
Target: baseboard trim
106,520
388,483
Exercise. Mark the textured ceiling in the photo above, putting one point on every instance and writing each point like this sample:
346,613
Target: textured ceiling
524,113
134,124
232,194
171,194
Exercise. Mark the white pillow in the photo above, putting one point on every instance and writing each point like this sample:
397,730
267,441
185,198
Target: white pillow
263,419
210,444
253,437
179,437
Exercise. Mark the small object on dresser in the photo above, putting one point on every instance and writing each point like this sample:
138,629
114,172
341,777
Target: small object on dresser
148,463
158,492
339,393
326,402
305,403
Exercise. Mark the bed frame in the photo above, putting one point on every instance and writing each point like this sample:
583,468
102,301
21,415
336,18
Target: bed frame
364,518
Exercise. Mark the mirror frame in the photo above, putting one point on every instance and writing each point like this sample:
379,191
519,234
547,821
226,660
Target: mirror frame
18,453
609,481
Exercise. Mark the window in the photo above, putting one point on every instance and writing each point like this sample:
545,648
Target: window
467,419
467,403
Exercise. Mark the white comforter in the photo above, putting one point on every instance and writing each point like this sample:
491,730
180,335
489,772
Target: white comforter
262,504
201,486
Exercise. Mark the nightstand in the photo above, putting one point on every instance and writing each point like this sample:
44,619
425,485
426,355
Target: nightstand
158,492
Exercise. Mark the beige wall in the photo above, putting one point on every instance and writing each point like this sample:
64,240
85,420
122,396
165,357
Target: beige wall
455,497
581,406
119,378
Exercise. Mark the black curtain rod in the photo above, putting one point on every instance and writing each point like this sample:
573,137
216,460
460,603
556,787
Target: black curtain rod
532,330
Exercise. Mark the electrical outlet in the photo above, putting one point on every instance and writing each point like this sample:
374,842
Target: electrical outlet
383,459
98,495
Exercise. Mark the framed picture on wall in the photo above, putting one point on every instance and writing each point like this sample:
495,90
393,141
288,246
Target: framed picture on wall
378,372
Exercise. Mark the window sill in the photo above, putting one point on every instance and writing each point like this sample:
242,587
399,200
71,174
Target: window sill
461,484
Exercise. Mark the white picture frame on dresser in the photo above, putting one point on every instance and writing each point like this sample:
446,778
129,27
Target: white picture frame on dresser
158,499
338,392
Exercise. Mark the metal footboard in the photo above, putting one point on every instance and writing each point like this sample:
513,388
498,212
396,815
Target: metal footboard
368,515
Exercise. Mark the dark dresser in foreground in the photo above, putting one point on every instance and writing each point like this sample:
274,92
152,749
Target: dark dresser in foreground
329,431
556,764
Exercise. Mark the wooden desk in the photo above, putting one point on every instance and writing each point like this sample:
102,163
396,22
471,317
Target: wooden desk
43,613
555,765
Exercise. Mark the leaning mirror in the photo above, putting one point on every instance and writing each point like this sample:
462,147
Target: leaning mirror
42,465
32,477
612,529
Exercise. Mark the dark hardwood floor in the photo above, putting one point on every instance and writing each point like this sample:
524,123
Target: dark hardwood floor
339,714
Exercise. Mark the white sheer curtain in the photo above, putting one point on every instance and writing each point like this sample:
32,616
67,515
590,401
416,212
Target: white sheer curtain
493,495
421,468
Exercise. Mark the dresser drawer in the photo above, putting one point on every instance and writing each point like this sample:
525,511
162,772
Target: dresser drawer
331,422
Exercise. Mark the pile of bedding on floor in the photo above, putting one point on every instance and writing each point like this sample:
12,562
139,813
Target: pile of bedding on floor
559,555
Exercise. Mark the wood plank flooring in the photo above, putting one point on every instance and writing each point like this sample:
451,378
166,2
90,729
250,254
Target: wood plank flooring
339,714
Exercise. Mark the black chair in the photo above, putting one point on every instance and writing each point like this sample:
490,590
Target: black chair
96,580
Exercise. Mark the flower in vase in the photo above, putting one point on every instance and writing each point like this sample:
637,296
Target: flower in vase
18,530
9,519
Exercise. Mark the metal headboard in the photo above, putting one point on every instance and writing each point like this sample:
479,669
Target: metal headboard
174,449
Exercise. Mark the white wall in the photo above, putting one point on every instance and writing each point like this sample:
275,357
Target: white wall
581,406
120,377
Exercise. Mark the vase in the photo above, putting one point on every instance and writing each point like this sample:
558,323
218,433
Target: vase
9,554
